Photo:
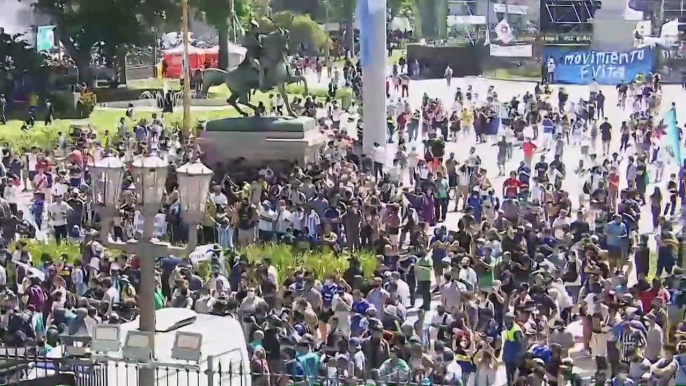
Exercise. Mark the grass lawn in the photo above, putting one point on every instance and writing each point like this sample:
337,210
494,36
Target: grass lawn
222,92
102,119
518,73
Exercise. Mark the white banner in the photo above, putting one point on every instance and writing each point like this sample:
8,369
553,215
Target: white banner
511,9
456,20
525,51
504,32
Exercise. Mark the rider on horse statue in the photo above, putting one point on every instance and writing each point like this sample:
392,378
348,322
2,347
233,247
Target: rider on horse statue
253,43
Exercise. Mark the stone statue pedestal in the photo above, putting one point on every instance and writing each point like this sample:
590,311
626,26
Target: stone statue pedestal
262,139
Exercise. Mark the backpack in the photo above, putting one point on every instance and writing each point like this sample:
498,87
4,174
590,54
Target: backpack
571,273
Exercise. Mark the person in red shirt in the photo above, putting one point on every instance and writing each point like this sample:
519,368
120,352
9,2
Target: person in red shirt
529,149
511,186
42,165
648,296
402,121
613,188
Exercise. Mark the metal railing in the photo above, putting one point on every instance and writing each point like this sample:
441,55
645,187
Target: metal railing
25,367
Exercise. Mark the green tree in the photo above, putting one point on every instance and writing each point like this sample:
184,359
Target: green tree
218,13
400,7
302,28
108,26
25,59
343,12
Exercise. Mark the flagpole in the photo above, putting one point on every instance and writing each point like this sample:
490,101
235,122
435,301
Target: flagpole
488,22
186,74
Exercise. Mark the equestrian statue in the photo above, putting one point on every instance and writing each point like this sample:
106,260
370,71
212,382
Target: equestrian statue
265,66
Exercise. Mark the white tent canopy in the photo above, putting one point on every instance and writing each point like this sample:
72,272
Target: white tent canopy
179,50
401,23
233,49
670,29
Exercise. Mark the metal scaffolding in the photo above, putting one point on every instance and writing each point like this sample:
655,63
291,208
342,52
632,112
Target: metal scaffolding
672,9
567,16
460,25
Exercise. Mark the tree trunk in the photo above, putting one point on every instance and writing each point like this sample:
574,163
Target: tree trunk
120,65
86,74
223,33
350,37
82,59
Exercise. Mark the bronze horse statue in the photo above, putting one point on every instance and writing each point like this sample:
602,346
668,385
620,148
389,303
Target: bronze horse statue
244,79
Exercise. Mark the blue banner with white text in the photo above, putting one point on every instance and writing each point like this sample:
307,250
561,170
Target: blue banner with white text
606,67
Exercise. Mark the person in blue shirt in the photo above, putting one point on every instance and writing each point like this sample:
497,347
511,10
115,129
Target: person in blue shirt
616,238
439,246
308,360
523,173
474,201
292,367
622,379
359,308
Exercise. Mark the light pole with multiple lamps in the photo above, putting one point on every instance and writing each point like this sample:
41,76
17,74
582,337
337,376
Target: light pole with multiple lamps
186,72
149,176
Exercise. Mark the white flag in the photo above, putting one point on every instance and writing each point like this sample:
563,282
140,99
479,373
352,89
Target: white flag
488,38
504,32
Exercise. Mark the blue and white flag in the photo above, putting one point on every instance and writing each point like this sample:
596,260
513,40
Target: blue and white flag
365,12
45,38
673,146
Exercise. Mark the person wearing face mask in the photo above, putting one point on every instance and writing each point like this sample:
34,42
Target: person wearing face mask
212,283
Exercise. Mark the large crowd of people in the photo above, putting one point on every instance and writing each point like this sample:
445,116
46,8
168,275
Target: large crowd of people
470,279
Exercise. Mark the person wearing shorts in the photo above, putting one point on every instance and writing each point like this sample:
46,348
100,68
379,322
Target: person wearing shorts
617,235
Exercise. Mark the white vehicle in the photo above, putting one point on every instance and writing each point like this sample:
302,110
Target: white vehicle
223,348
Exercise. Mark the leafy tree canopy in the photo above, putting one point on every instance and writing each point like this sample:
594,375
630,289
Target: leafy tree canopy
109,25
303,30
217,12
401,7
24,58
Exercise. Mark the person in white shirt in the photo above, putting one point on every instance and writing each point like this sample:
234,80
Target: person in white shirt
550,67
536,192
111,293
593,89
379,157
160,229
31,161
403,289
217,281
60,187
393,172
58,211
265,224
312,222
298,219
3,276
218,198
440,318
560,223
412,163
467,274
282,220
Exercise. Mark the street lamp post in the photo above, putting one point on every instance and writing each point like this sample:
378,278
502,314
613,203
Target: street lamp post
186,73
149,175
